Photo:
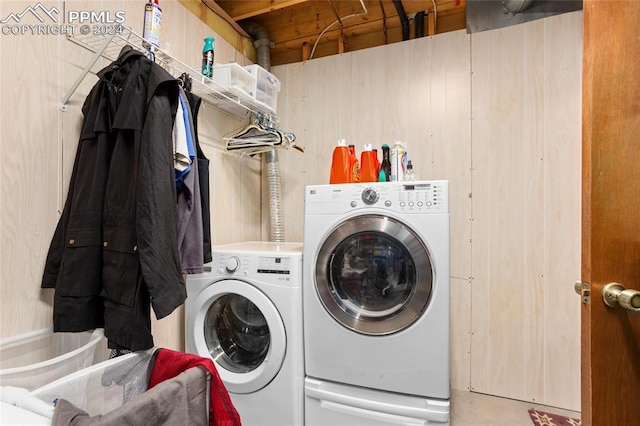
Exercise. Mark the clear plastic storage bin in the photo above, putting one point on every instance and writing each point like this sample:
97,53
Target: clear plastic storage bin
234,79
267,87
34,359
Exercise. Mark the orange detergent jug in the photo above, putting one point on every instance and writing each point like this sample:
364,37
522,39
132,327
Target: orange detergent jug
368,166
340,163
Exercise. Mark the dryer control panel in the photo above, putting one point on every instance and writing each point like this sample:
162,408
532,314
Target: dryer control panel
424,197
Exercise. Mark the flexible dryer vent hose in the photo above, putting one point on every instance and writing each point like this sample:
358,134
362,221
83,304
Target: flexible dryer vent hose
276,231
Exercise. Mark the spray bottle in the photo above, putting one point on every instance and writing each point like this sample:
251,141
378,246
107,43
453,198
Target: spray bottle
207,57
152,23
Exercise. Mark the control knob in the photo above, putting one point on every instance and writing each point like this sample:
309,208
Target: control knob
232,264
370,196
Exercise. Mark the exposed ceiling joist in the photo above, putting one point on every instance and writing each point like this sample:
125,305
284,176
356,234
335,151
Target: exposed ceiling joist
240,10
293,25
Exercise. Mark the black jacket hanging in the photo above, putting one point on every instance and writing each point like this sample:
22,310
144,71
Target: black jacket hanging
114,249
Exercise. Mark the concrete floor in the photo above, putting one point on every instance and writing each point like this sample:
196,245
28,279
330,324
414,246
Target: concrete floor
476,409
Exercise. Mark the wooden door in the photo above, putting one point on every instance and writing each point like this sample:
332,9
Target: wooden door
611,210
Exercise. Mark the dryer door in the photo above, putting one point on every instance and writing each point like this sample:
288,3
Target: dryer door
374,275
241,330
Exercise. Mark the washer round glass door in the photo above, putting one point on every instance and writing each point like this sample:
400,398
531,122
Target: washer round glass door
241,330
374,275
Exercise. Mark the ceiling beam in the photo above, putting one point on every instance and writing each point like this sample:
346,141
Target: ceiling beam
239,10
215,8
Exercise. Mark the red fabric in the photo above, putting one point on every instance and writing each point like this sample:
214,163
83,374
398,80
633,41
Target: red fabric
170,363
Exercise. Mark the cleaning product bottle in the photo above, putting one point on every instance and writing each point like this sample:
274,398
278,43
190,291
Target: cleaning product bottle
354,165
368,168
152,23
340,163
409,175
398,162
375,153
385,166
207,57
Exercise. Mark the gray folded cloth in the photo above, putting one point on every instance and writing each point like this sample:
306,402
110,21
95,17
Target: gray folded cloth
181,400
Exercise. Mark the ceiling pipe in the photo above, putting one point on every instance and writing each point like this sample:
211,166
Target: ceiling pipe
271,163
419,24
403,19
261,43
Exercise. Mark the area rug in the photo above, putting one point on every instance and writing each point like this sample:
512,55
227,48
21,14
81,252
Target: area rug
541,418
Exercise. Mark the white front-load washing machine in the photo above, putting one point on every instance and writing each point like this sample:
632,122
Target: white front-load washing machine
245,313
376,303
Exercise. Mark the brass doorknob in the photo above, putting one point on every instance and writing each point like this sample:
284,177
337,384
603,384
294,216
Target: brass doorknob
615,295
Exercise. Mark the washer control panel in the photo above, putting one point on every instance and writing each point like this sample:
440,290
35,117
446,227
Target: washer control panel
263,267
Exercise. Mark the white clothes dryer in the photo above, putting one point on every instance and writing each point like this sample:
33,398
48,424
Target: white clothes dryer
245,313
376,303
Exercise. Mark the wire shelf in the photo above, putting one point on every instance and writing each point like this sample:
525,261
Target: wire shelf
108,46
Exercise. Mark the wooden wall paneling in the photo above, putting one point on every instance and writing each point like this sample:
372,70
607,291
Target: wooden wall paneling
173,32
448,138
532,55
498,209
291,109
367,118
480,237
418,98
396,100
325,109
562,210
434,155
460,345
448,143
224,200
253,220
29,142
526,210
225,174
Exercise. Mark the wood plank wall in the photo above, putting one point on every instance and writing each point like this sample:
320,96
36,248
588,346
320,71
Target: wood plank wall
497,114
526,108
38,146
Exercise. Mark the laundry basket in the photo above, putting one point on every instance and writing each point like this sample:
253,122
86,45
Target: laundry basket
103,387
34,359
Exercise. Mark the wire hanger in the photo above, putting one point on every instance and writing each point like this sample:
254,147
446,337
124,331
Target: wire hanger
260,135
185,81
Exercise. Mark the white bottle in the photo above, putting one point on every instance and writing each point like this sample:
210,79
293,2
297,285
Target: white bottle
398,157
152,23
